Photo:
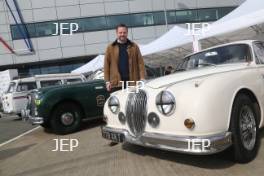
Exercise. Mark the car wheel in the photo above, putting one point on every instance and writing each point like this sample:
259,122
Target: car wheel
245,130
66,118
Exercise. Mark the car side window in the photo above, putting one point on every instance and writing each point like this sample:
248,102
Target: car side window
26,86
50,83
73,81
259,51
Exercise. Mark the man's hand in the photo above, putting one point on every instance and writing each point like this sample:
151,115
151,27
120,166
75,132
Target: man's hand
108,86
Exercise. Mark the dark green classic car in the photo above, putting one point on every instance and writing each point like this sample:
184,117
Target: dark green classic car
62,108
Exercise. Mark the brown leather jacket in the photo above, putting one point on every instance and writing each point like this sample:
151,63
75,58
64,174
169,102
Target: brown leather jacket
135,60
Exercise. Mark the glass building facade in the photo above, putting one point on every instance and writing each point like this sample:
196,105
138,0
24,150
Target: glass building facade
91,24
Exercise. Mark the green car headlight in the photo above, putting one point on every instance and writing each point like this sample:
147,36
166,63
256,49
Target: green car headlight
165,102
113,104
37,102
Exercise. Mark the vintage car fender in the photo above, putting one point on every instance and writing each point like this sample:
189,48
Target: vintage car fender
83,94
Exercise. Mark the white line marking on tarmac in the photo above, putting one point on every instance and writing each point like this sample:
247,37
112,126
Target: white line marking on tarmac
21,135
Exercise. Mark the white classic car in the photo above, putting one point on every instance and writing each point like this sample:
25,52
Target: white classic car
16,97
216,102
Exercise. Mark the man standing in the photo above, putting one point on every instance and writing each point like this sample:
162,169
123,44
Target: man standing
123,61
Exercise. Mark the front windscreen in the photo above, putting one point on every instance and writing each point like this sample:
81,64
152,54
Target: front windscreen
26,86
236,53
12,87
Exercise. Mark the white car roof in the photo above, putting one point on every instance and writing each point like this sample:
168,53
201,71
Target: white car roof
50,77
29,79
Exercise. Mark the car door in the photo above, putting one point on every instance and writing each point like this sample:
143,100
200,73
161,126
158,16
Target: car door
259,54
94,98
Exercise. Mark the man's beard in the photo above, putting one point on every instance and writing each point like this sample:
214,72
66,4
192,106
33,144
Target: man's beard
122,39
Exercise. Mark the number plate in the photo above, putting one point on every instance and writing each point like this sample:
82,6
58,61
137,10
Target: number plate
116,137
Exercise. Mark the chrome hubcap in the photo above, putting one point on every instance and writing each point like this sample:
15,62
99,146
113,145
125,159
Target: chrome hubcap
67,118
248,128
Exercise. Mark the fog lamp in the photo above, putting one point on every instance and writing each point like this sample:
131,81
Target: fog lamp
122,118
153,120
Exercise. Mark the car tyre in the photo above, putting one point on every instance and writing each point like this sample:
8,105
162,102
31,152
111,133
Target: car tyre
245,129
66,118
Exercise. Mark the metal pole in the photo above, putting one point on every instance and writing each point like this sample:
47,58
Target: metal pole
6,45
165,15
29,43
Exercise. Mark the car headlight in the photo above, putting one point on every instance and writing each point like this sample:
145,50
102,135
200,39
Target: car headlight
37,98
37,102
113,104
165,102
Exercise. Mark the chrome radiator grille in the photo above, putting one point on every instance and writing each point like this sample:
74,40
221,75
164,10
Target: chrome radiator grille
136,112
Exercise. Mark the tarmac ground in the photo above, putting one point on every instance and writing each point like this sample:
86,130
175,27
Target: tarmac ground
33,155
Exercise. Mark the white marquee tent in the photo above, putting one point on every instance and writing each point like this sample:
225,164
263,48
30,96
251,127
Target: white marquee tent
244,22
95,64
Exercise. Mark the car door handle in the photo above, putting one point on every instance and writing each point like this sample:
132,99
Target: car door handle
99,87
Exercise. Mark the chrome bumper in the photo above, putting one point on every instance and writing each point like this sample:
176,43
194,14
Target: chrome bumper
25,114
12,112
183,144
